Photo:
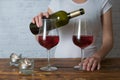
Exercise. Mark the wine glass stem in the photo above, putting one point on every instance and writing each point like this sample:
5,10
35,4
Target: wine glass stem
48,55
82,57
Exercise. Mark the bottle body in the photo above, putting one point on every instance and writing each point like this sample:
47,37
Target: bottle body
62,18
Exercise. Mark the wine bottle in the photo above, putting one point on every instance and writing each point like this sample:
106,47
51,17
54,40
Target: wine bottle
62,18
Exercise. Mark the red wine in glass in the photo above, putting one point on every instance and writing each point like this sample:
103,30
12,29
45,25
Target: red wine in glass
84,41
49,42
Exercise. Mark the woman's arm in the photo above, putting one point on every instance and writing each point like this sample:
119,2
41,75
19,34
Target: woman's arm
107,43
107,37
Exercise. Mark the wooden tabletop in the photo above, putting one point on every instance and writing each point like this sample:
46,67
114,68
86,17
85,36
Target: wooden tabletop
110,71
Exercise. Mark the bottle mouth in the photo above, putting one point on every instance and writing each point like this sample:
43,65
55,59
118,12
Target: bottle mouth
82,11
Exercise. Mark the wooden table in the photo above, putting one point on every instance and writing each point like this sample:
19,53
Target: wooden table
110,71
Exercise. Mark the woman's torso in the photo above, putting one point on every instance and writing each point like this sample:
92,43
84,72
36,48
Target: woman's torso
66,47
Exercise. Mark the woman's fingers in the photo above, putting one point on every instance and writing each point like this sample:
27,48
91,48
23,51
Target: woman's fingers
99,66
94,65
90,64
85,63
38,19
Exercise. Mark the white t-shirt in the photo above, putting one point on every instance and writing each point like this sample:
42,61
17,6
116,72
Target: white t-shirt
93,11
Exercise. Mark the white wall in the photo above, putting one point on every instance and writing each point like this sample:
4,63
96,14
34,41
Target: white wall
116,27
15,16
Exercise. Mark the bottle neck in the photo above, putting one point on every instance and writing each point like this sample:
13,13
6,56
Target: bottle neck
76,13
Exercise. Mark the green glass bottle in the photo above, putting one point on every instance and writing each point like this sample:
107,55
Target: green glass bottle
62,18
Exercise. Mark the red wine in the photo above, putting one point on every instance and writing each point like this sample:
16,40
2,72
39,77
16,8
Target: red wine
84,41
49,42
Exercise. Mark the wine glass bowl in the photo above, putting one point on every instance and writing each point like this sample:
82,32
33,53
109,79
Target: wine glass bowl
49,42
48,37
84,41
82,37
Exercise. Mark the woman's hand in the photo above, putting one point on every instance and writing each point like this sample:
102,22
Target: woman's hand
38,19
91,63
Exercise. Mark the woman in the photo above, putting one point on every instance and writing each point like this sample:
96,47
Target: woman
96,11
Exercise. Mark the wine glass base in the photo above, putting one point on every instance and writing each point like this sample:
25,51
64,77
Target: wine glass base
78,67
48,68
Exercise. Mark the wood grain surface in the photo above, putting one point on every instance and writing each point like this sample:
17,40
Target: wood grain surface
110,70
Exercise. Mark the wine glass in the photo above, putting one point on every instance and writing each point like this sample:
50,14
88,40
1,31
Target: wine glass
82,37
48,37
